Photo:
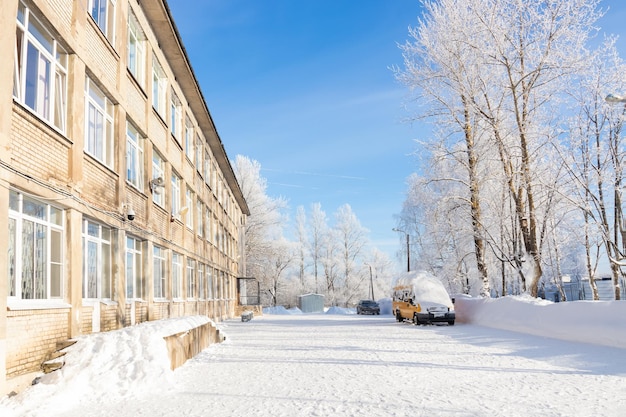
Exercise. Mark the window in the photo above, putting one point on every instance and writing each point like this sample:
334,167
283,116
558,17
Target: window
96,260
159,271
191,278
134,157
177,275
200,217
35,255
189,145
209,222
176,196
201,281
207,168
134,278
99,124
198,157
159,85
136,50
40,73
176,117
158,171
189,203
103,13
209,283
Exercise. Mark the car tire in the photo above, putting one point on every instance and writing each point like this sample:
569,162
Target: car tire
451,323
416,321
398,316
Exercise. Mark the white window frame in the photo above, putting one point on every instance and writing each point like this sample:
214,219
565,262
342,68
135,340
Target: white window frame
103,13
176,117
136,50
209,283
189,194
201,282
42,260
159,272
177,275
159,88
207,168
176,196
200,217
134,156
199,151
191,279
99,122
209,223
97,261
158,171
134,268
40,71
189,144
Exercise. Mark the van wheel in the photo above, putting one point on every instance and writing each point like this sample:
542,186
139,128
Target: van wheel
398,316
416,321
451,323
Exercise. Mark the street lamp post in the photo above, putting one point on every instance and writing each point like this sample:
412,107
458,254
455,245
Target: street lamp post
408,253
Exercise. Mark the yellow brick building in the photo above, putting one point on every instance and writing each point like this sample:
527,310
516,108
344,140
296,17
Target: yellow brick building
118,203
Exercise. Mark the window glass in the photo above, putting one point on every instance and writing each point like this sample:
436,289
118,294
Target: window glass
99,124
158,171
134,157
103,13
40,72
159,271
35,253
97,253
136,49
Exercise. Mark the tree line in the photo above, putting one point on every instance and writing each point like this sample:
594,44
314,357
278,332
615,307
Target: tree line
521,176
332,257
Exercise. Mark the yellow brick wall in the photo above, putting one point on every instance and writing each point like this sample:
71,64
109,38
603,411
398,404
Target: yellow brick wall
99,185
31,336
100,58
29,135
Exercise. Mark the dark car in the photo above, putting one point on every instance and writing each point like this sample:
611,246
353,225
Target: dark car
367,307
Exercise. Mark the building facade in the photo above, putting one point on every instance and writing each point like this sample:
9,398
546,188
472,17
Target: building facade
117,198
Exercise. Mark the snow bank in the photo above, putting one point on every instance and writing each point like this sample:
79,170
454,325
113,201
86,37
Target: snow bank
597,322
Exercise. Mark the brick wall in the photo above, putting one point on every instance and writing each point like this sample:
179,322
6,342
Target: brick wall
29,135
31,336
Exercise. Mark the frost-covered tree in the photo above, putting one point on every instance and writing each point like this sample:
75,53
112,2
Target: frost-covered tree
264,226
491,74
594,157
352,238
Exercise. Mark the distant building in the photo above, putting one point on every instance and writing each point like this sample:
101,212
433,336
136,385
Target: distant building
118,203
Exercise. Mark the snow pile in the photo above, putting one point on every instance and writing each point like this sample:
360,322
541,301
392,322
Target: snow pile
597,322
281,310
131,362
340,310
386,306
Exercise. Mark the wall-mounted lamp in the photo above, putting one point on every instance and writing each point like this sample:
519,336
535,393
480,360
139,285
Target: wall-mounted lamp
156,184
183,210
128,212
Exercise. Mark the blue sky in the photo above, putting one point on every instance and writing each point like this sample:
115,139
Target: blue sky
304,87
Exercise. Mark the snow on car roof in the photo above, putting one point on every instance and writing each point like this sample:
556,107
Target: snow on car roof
426,286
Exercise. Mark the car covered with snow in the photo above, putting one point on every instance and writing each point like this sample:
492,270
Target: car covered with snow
421,297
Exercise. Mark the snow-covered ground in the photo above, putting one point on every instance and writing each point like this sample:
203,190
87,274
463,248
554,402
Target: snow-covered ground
286,363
